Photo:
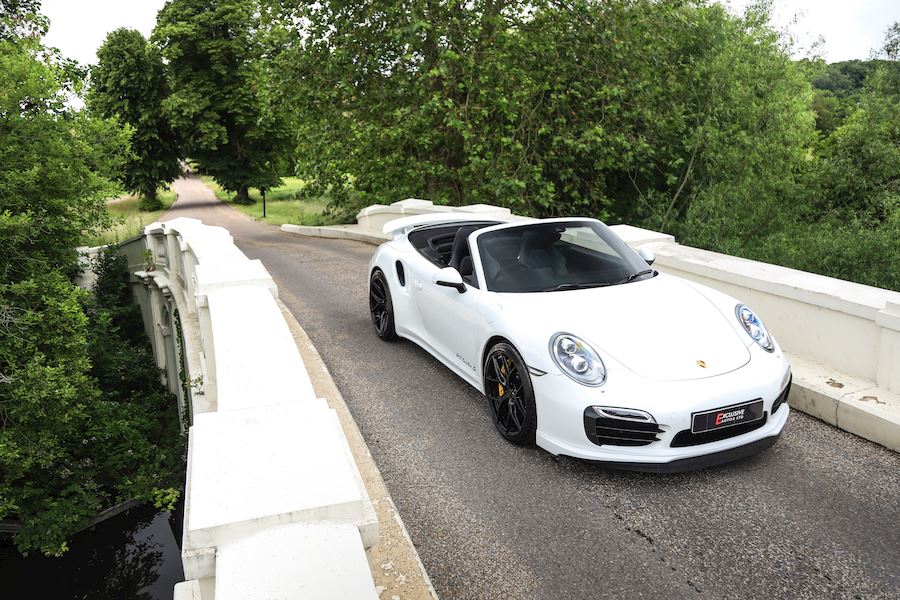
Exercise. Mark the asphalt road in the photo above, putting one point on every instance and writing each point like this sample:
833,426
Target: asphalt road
816,516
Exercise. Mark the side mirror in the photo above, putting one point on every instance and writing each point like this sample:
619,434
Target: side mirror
449,277
647,255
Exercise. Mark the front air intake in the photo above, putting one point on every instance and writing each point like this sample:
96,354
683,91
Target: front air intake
782,397
687,438
607,431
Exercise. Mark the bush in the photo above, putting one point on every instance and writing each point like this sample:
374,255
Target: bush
85,421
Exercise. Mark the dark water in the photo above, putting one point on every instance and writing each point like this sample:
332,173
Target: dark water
133,555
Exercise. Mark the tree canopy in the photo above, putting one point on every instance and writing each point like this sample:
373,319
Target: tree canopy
56,165
669,114
68,446
542,107
231,125
130,84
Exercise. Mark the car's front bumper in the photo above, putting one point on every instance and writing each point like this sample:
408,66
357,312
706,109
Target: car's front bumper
561,404
702,461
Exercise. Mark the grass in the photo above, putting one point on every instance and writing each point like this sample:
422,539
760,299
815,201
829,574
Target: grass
284,204
129,219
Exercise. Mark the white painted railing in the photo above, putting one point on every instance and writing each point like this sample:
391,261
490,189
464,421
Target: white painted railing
274,504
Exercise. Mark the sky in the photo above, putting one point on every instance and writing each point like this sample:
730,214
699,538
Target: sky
78,27
850,28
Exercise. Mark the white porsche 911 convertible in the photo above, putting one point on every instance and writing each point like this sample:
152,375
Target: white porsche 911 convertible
579,345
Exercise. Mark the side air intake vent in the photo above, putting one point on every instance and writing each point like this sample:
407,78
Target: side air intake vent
782,398
607,431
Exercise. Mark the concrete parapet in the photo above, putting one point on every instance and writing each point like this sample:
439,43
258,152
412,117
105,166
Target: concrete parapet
321,560
339,232
257,362
263,467
374,217
271,481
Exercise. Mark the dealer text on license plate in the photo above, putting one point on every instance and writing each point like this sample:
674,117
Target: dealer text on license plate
728,416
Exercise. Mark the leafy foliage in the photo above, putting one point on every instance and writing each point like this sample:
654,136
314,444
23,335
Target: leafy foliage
130,84
544,108
670,114
85,422
844,219
843,78
234,130
67,447
21,18
55,165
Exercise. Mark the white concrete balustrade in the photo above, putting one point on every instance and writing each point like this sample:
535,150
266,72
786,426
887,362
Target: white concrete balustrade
274,504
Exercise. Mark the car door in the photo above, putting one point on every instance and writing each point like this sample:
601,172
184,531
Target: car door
454,323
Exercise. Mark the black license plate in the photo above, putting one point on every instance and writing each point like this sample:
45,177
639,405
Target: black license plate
728,416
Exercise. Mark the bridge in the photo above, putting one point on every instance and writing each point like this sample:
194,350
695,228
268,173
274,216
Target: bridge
278,496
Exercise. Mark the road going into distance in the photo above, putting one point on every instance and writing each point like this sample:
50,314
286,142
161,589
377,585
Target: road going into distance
817,516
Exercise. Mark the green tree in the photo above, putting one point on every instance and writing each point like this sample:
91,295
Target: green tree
85,423
21,18
827,107
842,78
55,164
129,83
233,128
627,110
67,448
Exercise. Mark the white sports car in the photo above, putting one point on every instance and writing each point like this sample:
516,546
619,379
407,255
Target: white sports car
578,344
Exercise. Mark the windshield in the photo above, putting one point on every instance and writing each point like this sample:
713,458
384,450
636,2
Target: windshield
557,256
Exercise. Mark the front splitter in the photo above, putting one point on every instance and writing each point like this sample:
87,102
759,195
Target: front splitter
695,463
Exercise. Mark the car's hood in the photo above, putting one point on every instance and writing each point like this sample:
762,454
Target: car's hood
660,328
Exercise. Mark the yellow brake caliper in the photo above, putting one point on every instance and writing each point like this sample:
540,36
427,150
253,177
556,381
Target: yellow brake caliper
500,387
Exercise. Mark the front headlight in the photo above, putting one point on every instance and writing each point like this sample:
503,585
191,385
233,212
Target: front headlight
577,359
754,327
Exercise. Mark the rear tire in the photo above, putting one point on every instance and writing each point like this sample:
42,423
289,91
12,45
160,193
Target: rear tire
380,306
510,395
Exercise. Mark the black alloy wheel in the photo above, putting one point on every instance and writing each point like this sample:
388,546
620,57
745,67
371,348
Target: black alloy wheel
380,306
510,395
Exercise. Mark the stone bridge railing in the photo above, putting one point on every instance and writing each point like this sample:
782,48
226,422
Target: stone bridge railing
273,500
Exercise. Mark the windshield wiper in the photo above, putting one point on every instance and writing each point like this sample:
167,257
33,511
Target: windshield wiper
634,276
573,286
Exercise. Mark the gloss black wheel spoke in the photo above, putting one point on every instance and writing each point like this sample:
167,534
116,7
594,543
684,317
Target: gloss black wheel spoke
378,292
498,370
507,421
508,408
378,306
517,415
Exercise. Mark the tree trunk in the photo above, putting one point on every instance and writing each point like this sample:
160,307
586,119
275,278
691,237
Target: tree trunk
149,199
243,195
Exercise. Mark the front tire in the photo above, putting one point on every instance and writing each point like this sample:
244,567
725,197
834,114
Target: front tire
507,386
380,306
